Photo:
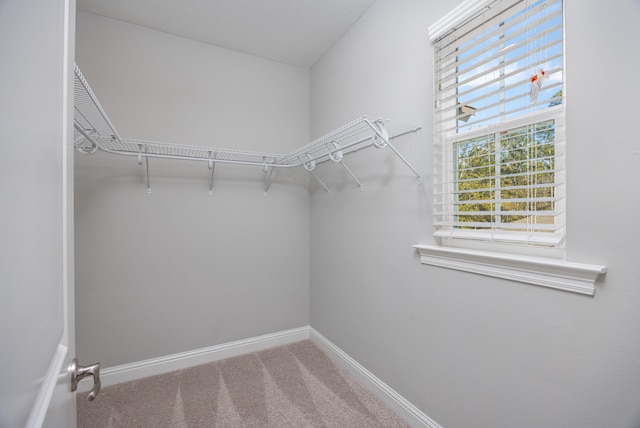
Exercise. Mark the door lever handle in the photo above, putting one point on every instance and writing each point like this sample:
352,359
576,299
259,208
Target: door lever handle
80,372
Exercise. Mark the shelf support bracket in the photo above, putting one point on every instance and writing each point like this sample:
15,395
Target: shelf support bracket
146,161
352,176
319,181
309,166
212,167
381,140
85,138
335,154
268,170
406,163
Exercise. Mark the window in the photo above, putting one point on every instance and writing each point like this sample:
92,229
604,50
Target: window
499,123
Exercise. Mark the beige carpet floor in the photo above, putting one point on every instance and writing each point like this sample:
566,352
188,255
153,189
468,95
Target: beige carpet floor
295,385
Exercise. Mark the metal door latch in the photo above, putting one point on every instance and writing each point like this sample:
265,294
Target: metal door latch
80,372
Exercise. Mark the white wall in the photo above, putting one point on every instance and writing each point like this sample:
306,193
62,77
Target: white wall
177,269
472,351
33,222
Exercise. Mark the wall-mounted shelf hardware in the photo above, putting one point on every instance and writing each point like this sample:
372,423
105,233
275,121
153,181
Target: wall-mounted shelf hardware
95,131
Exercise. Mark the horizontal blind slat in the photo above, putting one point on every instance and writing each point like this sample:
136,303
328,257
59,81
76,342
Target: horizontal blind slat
504,226
455,60
488,18
522,71
496,116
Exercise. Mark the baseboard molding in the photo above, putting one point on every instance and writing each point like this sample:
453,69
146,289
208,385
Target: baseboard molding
140,369
414,416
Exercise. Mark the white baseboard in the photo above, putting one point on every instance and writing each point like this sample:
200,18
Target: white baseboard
410,413
127,372
140,369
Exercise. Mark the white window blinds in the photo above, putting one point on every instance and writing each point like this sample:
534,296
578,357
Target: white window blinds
499,123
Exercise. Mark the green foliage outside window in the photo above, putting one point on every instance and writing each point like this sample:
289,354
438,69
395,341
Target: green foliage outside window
506,177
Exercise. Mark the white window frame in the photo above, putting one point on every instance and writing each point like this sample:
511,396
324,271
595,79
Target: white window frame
497,241
512,242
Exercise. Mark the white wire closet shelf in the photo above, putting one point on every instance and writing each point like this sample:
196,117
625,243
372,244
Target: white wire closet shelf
94,131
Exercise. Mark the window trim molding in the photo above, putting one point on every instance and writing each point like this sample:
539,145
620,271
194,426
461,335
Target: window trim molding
464,11
559,274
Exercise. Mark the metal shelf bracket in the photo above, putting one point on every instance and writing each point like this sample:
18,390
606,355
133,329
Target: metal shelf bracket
268,170
381,140
310,165
336,155
146,164
212,167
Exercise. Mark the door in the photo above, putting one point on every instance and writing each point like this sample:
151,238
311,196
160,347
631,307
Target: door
36,212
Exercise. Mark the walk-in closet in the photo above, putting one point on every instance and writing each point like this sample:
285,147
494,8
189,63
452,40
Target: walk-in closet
299,213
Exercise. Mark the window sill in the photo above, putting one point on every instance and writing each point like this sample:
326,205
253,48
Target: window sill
568,276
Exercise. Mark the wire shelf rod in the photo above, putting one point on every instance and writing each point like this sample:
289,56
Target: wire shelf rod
193,158
95,131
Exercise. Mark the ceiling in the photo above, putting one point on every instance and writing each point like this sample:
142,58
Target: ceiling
295,32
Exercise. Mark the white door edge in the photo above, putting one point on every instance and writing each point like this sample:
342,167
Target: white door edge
41,404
